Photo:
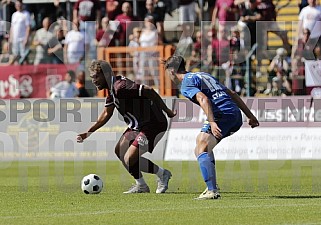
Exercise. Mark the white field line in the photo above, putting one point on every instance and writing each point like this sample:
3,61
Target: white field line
155,210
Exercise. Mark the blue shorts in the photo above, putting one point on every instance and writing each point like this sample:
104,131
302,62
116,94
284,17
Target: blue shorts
228,123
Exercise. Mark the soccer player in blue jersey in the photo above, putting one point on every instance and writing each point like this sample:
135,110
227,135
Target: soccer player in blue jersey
222,108
143,111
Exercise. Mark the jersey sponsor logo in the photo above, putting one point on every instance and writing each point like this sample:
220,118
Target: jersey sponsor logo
142,141
214,87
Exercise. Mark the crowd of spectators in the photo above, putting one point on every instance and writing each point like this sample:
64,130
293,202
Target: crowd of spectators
218,48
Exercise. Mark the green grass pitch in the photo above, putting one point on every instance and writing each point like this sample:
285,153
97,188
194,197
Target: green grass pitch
253,192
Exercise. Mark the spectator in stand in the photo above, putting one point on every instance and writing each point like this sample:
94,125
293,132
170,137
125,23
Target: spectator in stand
276,89
317,52
88,12
199,53
193,63
149,38
134,42
75,45
224,10
281,86
6,58
287,87
19,31
279,67
60,9
187,17
267,8
208,64
279,62
235,73
160,8
310,18
56,46
80,84
308,28
303,50
249,15
220,47
236,42
53,10
3,30
105,36
125,27
66,88
113,8
158,17
200,44
300,52
41,40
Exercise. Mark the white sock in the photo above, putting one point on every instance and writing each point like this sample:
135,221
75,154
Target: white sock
140,181
160,172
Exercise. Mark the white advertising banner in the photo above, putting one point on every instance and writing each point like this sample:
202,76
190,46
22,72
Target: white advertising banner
312,73
290,128
251,144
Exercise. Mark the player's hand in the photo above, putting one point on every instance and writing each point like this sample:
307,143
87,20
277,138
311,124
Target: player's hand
171,113
82,137
216,131
253,122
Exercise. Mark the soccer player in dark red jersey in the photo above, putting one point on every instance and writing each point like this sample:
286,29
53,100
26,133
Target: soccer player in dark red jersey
142,109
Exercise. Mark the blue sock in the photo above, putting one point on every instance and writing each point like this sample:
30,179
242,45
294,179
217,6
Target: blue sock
212,158
207,170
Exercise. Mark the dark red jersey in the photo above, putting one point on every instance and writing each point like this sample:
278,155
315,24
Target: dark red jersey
137,110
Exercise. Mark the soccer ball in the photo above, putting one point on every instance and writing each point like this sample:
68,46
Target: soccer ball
91,184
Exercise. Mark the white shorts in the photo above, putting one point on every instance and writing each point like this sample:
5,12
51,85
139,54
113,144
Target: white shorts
187,13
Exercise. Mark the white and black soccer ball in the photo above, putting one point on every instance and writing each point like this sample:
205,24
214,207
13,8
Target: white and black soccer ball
91,184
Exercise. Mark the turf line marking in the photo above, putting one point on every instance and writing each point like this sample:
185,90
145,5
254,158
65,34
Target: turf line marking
154,210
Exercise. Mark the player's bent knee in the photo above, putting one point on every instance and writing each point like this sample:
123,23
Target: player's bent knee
200,148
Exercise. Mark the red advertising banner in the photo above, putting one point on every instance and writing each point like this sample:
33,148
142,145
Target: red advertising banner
29,81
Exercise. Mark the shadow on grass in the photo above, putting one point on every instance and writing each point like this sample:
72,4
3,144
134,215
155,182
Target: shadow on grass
196,192
297,196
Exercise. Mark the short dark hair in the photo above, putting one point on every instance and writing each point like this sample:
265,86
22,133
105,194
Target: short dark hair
72,74
176,62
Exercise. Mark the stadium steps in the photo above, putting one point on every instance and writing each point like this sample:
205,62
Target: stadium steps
288,18
289,14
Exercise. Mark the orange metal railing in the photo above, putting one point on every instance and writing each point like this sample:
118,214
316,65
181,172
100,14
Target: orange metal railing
142,64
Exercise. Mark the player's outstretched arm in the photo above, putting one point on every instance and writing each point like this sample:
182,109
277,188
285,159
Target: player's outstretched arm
253,122
101,121
150,93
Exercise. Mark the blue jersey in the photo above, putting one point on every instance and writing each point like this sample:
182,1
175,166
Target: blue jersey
208,85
